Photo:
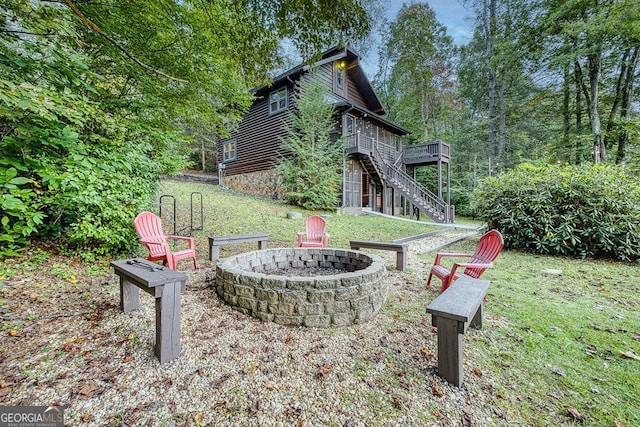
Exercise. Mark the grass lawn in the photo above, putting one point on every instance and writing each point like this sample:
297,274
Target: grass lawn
556,349
564,348
564,345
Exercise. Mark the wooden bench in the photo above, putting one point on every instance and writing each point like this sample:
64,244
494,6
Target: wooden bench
452,312
401,249
216,241
165,285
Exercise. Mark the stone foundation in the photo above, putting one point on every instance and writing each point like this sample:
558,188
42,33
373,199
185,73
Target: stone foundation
321,301
262,183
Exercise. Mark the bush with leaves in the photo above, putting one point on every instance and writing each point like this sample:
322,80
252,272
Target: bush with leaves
310,177
564,210
69,169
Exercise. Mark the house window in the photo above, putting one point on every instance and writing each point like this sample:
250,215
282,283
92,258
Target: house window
229,151
340,77
278,100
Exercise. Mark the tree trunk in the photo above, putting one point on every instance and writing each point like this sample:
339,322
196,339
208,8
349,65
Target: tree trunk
608,137
600,153
489,19
566,114
626,102
578,80
502,129
204,162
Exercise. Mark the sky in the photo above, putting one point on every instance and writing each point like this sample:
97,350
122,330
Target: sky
450,13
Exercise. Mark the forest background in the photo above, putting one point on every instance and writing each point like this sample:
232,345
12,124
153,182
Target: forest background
99,100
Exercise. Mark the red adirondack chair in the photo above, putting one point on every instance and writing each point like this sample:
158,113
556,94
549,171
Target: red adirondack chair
315,235
149,228
489,248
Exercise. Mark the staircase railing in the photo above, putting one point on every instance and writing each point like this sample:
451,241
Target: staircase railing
385,159
416,192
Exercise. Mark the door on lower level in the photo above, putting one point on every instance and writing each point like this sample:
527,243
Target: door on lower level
353,184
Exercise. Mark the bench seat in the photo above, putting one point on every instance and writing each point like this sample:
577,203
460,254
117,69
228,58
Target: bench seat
216,241
452,312
401,249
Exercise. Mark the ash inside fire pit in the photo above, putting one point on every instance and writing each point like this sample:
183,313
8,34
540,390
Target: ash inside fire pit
304,272
304,287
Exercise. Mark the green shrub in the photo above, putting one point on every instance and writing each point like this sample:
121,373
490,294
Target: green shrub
461,199
71,172
564,210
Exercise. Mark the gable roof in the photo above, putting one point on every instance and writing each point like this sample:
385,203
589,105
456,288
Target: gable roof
355,71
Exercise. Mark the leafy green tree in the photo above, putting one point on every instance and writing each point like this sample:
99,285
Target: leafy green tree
416,74
96,99
310,176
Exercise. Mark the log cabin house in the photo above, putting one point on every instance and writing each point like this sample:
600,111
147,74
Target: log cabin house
376,162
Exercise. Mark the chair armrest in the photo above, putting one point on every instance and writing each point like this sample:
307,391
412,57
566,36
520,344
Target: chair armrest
472,265
441,255
153,240
300,235
190,241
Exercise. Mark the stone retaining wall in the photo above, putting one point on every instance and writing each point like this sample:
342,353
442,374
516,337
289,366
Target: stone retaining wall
262,183
321,301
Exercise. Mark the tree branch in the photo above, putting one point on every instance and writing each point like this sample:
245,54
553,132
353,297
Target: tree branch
128,54
48,33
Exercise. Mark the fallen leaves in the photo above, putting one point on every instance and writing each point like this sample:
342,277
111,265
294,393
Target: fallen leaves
575,414
425,352
323,371
592,350
435,389
467,420
87,390
629,355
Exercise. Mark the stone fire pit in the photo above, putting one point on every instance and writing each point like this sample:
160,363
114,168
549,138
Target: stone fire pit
304,287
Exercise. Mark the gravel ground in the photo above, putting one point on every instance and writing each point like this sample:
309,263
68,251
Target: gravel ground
235,370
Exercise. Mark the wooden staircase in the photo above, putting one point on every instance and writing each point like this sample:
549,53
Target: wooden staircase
383,163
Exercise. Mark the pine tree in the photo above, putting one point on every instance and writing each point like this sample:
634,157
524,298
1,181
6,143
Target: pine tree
311,175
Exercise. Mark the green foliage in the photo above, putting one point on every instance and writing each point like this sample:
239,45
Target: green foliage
91,116
311,176
20,216
564,210
70,170
461,199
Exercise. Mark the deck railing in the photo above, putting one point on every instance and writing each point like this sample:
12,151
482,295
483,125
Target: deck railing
385,158
428,151
359,143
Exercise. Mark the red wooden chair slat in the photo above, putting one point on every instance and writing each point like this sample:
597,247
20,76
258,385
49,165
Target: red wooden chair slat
314,235
489,247
149,229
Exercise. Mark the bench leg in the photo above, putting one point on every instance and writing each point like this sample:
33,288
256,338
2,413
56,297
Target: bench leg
450,351
168,323
401,261
476,322
129,296
262,244
214,252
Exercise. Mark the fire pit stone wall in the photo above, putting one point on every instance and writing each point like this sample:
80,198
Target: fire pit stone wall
256,284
